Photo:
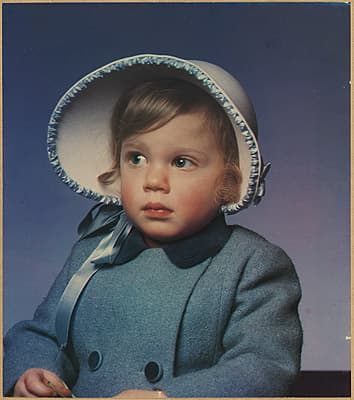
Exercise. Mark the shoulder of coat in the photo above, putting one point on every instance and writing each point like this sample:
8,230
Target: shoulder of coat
242,234
246,240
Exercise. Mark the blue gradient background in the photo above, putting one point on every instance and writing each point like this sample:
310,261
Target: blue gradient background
294,61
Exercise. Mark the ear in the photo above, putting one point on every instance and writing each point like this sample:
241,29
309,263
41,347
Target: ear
114,187
229,187
118,186
110,183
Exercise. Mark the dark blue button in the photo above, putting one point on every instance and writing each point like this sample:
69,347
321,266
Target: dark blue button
94,360
153,371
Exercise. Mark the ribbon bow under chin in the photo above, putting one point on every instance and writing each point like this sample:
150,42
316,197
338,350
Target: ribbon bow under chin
115,222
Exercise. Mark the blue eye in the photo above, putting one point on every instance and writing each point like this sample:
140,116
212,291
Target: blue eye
181,162
136,158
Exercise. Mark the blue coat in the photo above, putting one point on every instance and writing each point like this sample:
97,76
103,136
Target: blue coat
214,315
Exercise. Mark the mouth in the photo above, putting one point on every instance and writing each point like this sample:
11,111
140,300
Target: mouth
156,210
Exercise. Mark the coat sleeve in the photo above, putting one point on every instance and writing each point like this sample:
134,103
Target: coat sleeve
262,339
33,344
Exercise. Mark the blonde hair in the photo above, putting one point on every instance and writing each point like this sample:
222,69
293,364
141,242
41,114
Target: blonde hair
153,104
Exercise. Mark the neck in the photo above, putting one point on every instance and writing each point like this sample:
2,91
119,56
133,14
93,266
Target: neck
151,243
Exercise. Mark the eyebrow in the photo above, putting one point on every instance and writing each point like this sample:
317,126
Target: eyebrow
135,144
182,150
178,150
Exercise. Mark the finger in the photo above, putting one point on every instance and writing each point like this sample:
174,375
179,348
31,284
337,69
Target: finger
35,385
24,393
56,384
20,390
21,387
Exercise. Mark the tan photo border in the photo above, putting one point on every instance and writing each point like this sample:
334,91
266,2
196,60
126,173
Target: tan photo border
199,1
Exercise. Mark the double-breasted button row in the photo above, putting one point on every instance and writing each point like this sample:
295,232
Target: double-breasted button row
94,360
153,370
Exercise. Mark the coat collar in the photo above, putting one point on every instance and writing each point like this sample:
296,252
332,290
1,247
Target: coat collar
183,253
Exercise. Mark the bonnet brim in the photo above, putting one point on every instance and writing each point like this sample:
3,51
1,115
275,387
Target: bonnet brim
79,127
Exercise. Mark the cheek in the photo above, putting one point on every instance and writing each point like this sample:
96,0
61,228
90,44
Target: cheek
125,195
202,189
189,205
127,190
199,200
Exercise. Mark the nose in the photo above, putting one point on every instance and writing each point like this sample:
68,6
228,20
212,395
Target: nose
157,179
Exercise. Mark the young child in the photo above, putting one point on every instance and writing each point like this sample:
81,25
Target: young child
159,296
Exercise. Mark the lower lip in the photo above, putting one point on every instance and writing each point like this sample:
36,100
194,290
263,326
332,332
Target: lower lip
157,213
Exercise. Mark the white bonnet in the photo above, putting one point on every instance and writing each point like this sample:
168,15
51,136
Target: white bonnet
79,127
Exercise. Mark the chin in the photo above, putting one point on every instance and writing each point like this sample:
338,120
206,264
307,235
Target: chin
162,235
162,238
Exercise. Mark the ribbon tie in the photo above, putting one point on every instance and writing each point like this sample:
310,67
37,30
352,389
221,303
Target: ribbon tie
105,253
261,188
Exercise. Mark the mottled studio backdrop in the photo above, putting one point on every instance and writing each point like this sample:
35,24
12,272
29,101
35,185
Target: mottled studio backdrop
294,61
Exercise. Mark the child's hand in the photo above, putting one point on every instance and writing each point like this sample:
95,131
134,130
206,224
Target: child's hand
38,382
141,394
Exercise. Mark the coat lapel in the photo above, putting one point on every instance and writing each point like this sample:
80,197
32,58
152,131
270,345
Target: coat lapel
167,290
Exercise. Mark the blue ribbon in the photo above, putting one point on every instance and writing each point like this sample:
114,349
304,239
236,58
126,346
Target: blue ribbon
105,253
262,186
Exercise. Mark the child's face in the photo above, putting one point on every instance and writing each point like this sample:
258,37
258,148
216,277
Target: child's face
169,178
